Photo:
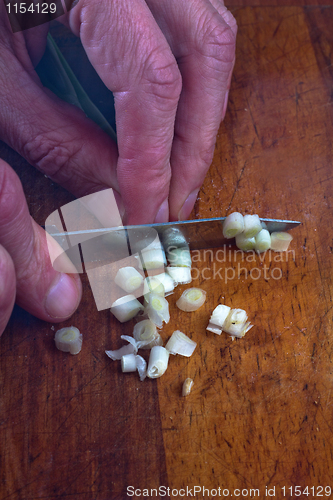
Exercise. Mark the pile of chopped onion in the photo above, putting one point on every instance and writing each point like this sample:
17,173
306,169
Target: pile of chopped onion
251,234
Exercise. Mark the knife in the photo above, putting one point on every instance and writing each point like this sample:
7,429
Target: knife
198,233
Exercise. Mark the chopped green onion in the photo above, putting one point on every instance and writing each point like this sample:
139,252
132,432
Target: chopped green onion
236,323
128,363
179,343
68,339
126,308
157,309
262,241
129,279
141,366
218,318
233,225
119,353
152,284
179,257
244,243
191,299
280,241
145,332
180,275
158,362
252,225
166,281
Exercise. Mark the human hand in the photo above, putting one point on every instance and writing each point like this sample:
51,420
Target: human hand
26,273
169,65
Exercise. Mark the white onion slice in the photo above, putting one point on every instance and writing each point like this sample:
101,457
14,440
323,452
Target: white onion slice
166,281
128,278
236,323
179,343
126,308
244,243
146,335
141,366
180,275
179,257
157,309
125,349
128,363
68,339
158,362
233,225
252,225
280,241
262,241
191,299
218,318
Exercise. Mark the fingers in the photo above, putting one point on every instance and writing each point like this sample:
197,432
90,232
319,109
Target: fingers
134,60
7,288
52,135
40,289
202,37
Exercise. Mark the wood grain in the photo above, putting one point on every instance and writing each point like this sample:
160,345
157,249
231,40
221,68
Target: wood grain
260,413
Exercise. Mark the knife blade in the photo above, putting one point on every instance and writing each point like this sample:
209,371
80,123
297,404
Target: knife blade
199,233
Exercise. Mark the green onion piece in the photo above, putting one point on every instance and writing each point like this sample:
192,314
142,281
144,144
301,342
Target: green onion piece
233,225
280,241
158,362
218,318
157,309
252,225
126,308
191,299
129,279
244,243
68,339
179,343
262,241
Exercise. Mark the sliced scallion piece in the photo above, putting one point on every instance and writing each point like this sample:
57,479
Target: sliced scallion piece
236,323
126,308
146,332
179,257
68,339
244,243
218,318
262,241
129,279
191,299
158,362
179,343
157,309
233,224
128,363
280,241
180,275
252,225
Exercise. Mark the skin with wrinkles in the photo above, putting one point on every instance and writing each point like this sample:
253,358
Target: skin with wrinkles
169,65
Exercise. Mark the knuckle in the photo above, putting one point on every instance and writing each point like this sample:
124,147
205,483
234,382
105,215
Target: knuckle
163,76
217,40
51,154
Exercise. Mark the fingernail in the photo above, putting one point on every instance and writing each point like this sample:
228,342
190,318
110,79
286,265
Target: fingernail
163,212
63,297
186,209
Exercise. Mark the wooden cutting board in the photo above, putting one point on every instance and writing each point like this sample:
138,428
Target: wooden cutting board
260,413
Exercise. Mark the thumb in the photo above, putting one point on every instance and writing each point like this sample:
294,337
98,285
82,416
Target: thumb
42,291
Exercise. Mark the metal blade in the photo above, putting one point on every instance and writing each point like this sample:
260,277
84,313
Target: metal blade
199,233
